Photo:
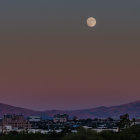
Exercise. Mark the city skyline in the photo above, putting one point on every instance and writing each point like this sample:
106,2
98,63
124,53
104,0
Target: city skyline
51,59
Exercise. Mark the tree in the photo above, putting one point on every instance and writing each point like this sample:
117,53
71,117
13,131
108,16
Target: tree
124,122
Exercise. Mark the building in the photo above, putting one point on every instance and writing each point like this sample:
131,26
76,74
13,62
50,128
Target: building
34,119
60,118
15,122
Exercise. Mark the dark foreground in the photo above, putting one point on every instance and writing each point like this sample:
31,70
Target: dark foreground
132,133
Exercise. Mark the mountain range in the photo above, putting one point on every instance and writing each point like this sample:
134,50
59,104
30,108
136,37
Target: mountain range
133,109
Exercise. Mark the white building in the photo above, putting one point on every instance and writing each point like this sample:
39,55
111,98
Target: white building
34,119
60,118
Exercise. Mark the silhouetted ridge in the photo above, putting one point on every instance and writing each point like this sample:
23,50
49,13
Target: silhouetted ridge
133,109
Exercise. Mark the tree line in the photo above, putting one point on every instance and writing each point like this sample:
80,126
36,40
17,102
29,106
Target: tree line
131,133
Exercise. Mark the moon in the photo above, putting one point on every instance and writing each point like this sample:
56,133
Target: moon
91,22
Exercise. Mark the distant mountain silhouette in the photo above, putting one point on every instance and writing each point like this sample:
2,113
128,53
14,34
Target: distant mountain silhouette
133,109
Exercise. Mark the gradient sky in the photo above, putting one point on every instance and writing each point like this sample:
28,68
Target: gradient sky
50,58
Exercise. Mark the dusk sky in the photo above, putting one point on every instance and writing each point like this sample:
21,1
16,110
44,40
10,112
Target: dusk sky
51,59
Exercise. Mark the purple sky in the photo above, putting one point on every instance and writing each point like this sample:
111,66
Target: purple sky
50,58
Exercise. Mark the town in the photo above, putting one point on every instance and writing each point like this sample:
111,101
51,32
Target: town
62,123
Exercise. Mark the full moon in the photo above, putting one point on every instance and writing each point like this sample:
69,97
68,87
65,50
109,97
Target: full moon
91,22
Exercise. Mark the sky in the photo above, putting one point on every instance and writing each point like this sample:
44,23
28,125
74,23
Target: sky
51,59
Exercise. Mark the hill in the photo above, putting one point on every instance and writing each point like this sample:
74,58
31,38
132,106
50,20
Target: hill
133,109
